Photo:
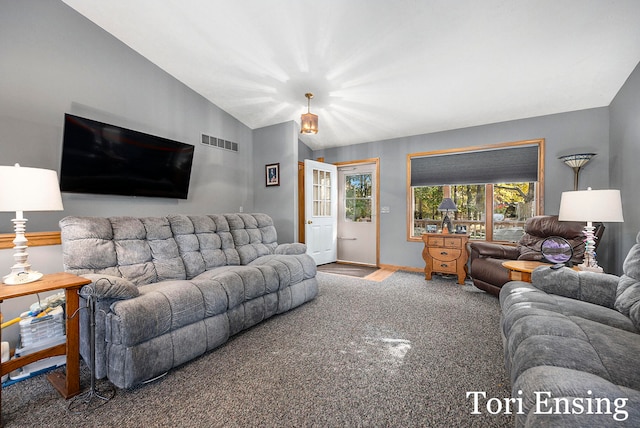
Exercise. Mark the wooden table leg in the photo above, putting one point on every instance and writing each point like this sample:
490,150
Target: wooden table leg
69,385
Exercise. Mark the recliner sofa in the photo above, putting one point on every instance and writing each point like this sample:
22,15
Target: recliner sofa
487,271
172,288
571,346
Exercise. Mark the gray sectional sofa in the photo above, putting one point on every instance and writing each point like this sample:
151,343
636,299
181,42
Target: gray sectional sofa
572,347
172,288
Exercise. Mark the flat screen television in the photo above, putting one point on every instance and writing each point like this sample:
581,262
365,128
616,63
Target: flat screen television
99,158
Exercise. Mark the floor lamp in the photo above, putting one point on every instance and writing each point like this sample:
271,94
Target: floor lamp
26,189
589,206
576,162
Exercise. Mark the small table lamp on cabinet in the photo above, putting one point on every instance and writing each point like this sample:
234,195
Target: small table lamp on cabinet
26,189
591,205
447,205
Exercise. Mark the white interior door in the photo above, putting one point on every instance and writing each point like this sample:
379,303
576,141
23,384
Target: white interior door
321,211
357,227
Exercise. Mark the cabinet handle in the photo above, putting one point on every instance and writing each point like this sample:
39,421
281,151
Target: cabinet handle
443,253
444,265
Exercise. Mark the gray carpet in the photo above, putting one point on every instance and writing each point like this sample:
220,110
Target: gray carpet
401,352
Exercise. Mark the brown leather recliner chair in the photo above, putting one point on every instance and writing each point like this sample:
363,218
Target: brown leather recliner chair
487,271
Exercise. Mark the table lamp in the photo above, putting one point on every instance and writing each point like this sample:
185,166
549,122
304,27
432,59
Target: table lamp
591,205
26,189
447,205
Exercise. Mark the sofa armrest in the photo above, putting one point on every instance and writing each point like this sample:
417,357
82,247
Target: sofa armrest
293,248
496,251
592,287
109,287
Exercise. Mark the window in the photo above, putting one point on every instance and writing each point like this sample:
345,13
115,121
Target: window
504,180
321,193
357,198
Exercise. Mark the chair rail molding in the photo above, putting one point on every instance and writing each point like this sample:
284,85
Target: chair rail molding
36,239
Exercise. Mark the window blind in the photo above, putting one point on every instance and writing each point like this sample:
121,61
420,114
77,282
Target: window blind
506,165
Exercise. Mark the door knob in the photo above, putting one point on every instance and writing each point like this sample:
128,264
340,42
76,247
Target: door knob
309,222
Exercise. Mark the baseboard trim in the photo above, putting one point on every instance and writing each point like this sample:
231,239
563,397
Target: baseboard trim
36,239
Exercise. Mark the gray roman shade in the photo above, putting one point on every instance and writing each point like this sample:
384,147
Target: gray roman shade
505,165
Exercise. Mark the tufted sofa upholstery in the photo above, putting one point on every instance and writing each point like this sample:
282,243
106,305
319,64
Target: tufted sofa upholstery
172,288
574,337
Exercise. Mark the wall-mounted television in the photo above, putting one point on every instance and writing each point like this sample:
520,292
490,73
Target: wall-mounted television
99,158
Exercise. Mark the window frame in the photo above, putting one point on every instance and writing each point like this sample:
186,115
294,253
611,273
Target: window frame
540,143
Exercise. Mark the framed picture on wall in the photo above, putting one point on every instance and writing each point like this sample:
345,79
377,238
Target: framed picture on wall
272,174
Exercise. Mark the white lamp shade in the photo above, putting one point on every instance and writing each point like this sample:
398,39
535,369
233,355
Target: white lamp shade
29,189
591,205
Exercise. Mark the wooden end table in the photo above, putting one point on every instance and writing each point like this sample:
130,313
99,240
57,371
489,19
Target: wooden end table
69,385
445,253
520,270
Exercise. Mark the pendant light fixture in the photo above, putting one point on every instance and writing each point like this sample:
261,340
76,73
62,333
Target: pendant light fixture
308,120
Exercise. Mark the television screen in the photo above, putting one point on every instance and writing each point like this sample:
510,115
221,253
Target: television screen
106,159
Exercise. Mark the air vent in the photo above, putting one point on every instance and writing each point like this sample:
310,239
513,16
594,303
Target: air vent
219,143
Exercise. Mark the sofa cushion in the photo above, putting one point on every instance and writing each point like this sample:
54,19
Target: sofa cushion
141,250
204,242
254,235
169,305
628,292
593,287
540,386
521,299
538,228
579,344
109,287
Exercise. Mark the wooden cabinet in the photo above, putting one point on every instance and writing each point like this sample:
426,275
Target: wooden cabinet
445,253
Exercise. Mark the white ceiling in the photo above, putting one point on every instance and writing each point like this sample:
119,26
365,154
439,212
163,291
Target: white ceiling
381,69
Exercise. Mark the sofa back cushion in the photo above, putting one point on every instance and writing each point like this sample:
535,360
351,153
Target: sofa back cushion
538,228
628,292
152,249
254,235
142,250
204,242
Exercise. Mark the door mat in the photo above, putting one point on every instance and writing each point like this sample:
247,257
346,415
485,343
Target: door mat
347,269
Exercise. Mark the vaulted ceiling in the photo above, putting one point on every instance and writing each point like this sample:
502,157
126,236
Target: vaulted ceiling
381,69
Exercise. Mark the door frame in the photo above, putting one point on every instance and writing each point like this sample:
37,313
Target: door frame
376,213
301,218
375,161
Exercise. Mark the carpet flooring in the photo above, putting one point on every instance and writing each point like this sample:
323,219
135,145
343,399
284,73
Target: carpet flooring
402,352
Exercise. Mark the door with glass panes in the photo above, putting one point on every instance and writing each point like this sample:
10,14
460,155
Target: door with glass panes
357,235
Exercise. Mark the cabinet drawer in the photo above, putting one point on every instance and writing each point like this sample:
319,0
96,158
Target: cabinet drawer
445,267
453,242
444,254
436,241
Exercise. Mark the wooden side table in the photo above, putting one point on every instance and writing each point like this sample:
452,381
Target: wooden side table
68,385
445,253
520,270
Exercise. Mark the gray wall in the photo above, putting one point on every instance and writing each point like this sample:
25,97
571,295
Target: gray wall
304,152
278,144
574,132
624,170
54,61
